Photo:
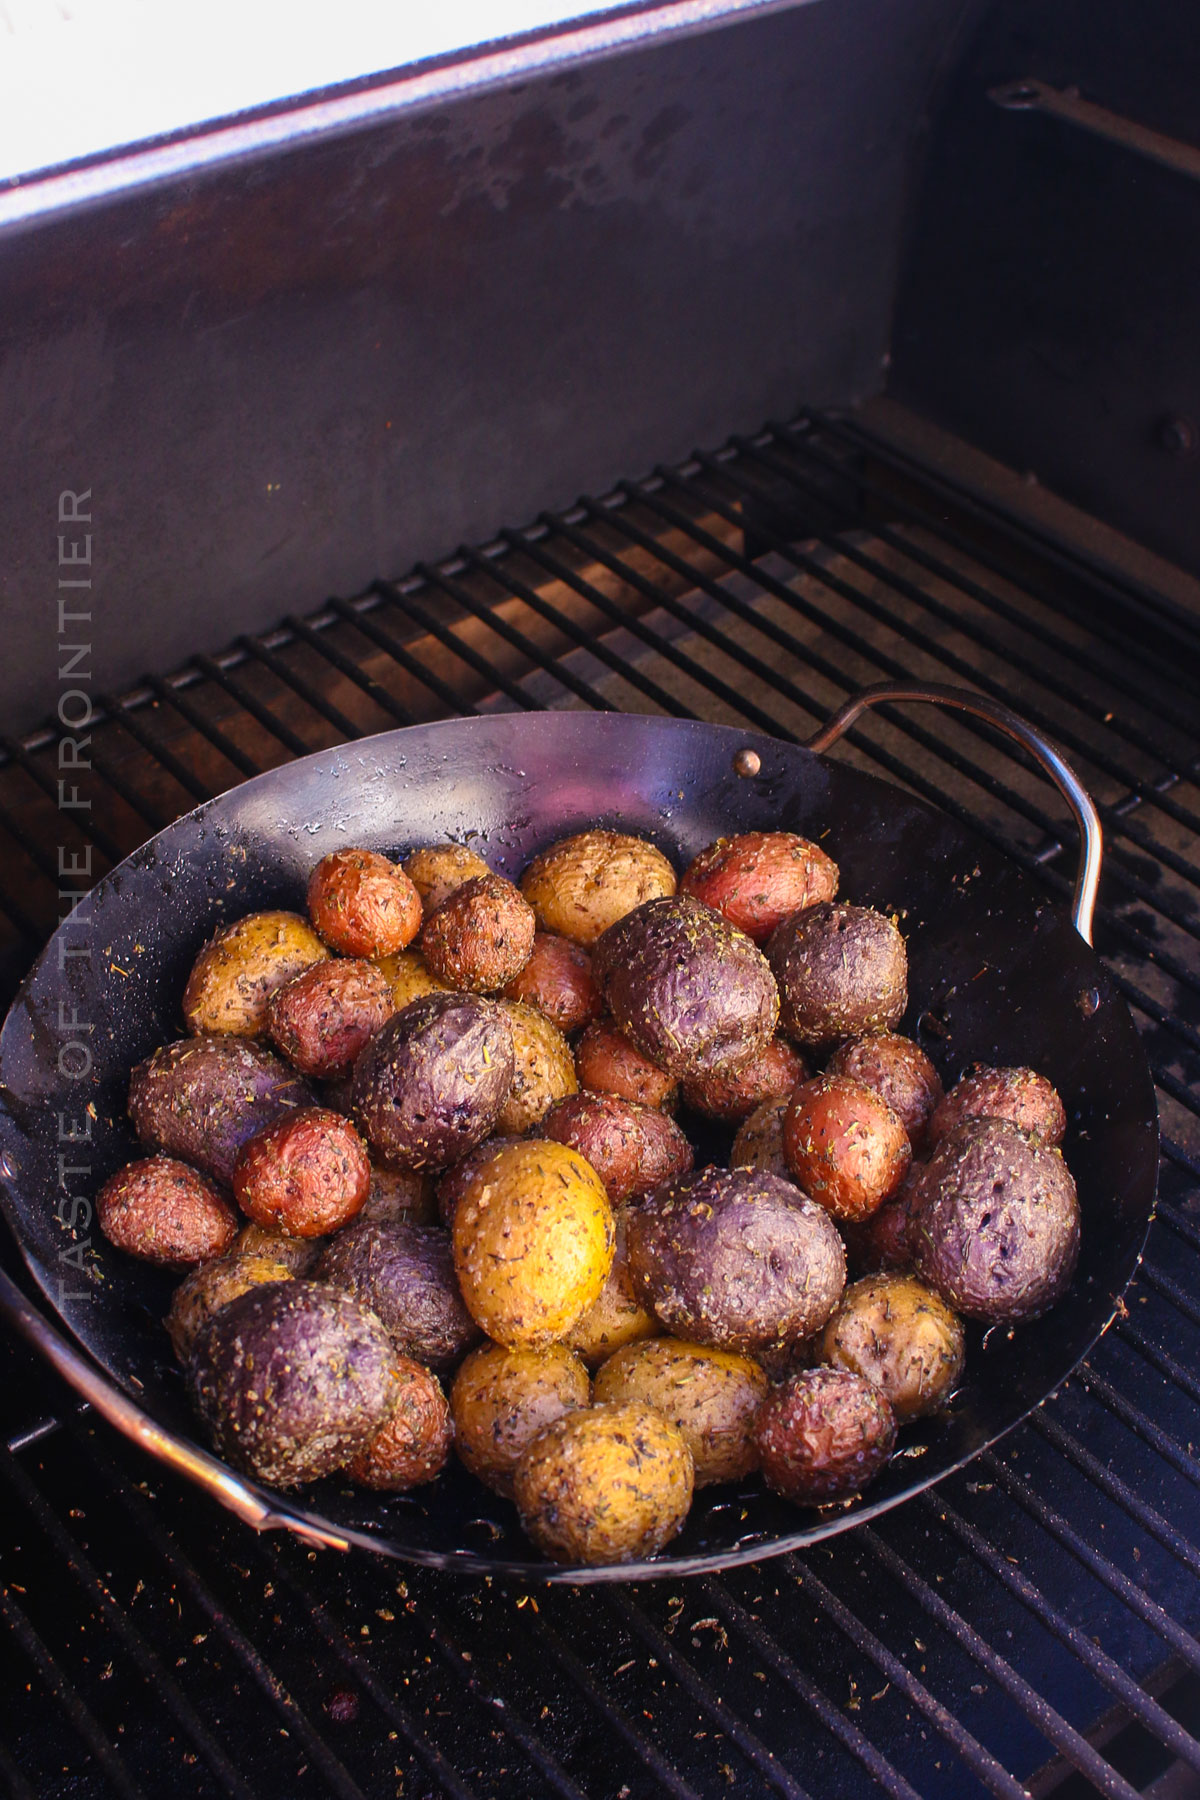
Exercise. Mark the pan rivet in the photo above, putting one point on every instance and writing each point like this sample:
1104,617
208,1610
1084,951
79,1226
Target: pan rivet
747,762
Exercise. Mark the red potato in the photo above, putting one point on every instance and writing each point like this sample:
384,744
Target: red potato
480,936
363,905
823,1434
632,1148
606,1062
844,1145
322,1018
413,1446
884,1240
1022,1096
164,1212
557,982
307,1174
899,1071
759,878
733,1094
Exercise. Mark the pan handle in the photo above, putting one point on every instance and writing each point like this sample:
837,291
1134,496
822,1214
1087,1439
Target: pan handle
1051,759
128,1418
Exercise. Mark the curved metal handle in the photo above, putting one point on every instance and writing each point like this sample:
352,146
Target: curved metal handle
1051,759
128,1418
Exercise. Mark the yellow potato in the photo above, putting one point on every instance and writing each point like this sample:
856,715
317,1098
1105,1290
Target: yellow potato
409,977
583,884
618,1317
711,1395
239,969
298,1255
544,1070
437,869
610,1484
211,1286
900,1336
502,1399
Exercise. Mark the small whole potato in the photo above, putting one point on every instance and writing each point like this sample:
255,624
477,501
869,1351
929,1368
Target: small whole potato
607,1063
412,1446
606,1484
1021,1096
557,982
480,936
298,1255
405,1274
437,869
760,877
396,1197
238,970
502,1399
995,1225
543,1069
293,1380
731,1095
713,1397
823,1434
618,1316
201,1098
581,885
841,970
883,1241
688,989
408,977
210,1287
453,1182
759,1140
844,1145
322,1018
308,1174
162,1211
632,1148
430,1085
533,1243
899,1071
363,905
736,1259
901,1336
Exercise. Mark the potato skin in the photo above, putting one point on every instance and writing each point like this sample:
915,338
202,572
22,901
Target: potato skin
413,1445
1021,1096
162,1211
688,989
712,1396
581,885
883,1241
298,1255
823,1434
900,1335
543,1069
731,1095
238,970
363,905
307,1174
210,1287
996,1222
632,1148
453,1182
842,971
202,1097
322,1018
399,1198
618,1316
409,978
557,982
435,870
533,1243
480,936
736,1259
900,1072
760,877
430,1085
608,1484
607,1063
405,1275
759,1140
293,1380
844,1145
502,1399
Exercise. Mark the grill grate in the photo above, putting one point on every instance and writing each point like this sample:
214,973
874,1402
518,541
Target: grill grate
1033,1620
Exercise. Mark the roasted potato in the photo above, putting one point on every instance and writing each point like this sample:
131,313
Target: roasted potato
409,978
405,1274
201,1098
543,1069
632,1148
557,982
995,1224
453,1182
823,1435
731,1095
238,970
618,1316
298,1255
736,1259
533,1243
759,1140
412,1446
581,885
606,1484
841,970
844,1145
899,1071
210,1287
363,905
1021,1096
437,869
399,1198
607,1063
712,1396
293,1380
430,1085
162,1211
882,1241
760,877
502,1399
480,936
322,1018
901,1336
688,989
307,1174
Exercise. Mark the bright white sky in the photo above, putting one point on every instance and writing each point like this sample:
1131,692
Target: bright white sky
77,76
